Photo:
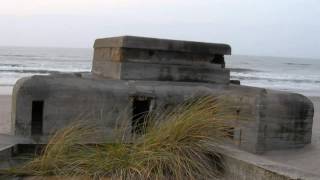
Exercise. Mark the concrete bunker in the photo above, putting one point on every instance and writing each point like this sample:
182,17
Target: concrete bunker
148,73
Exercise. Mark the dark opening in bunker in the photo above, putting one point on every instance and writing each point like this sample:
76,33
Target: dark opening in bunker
37,117
140,109
219,59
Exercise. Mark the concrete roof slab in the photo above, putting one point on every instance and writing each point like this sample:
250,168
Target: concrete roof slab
135,42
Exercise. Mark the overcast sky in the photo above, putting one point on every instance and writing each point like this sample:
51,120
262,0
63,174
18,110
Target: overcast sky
289,28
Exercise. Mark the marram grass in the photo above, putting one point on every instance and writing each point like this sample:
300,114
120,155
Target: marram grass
180,143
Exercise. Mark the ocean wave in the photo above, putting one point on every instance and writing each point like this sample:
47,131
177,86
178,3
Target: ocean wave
297,64
20,55
44,67
42,71
243,70
274,79
38,56
11,65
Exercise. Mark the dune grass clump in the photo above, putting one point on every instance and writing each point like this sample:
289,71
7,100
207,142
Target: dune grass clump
180,143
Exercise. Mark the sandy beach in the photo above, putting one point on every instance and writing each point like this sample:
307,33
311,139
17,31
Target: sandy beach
307,158
5,114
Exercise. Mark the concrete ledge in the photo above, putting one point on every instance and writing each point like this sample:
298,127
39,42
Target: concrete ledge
6,139
241,165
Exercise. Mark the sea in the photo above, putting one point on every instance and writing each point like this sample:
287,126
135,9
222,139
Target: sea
300,75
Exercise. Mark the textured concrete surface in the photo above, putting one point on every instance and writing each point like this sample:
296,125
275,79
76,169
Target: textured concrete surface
285,125
241,165
138,58
163,72
163,45
307,158
303,158
70,98
6,139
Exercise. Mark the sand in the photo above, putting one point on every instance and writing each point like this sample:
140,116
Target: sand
307,158
5,114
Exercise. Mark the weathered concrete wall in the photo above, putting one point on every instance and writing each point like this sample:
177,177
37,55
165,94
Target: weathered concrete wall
118,54
162,72
70,98
136,58
285,121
